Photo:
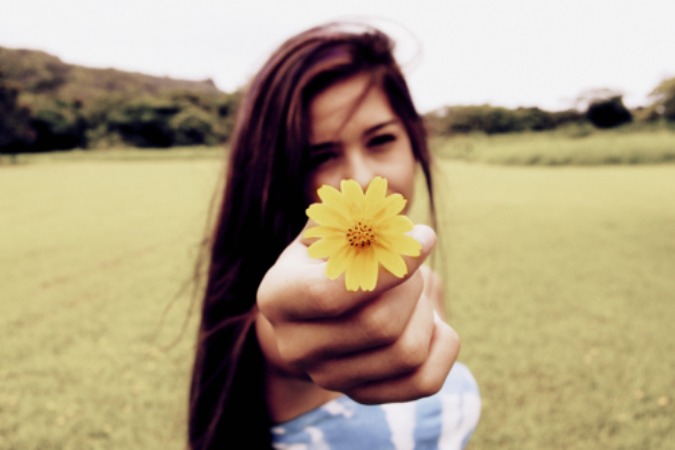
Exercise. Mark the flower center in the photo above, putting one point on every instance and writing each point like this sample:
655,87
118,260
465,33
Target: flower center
360,235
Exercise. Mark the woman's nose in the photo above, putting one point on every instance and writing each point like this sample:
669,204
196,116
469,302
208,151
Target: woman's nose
359,169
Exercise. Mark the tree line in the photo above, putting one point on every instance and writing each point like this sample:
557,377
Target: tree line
46,104
604,109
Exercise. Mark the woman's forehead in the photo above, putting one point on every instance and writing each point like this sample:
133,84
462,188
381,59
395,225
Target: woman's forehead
355,101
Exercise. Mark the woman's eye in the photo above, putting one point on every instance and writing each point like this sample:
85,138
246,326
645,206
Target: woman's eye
318,158
381,139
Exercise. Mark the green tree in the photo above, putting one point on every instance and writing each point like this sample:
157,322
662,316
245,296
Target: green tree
15,132
58,124
178,118
609,112
193,126
534,119
144,122
664,99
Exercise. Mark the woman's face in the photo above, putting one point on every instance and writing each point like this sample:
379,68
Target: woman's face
356,134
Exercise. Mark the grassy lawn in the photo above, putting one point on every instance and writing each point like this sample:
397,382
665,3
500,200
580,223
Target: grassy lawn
562,286
568,146
93,254
561,282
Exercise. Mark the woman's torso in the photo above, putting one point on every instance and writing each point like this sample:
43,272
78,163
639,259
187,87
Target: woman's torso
445,420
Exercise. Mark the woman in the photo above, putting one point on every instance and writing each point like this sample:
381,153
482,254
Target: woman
280,345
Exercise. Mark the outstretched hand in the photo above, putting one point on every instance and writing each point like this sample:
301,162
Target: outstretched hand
388,345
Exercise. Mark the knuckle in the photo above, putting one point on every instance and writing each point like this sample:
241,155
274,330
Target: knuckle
380,326
322,297
293,354
428,383
287,353
412,351
450,338
265,304
455,339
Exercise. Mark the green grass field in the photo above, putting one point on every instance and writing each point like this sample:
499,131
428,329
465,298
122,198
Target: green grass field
560,281
576,145
562,286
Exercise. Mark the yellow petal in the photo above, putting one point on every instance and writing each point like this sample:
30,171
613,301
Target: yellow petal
338,263
324,214
375,194
353,272
391,261
362,271
326,247
391,206
331,196
395,225
370,269
352,279
351,191
322,231
404,245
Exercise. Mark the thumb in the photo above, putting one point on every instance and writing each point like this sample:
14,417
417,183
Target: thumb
300,238
426,236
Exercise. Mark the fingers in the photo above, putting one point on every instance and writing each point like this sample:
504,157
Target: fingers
375,324
403,355
414,365
425,381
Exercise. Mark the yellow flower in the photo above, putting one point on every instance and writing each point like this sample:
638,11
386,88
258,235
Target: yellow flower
357,232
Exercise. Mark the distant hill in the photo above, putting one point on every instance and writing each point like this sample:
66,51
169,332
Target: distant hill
38,72
46,104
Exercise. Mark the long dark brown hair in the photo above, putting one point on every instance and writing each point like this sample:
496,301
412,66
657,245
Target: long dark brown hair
262,211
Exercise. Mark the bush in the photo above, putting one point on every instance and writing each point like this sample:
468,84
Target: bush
608,113
193,126
568,117
15,131
664,95
494,119
485,118
180,118
144,122
57,126
648,114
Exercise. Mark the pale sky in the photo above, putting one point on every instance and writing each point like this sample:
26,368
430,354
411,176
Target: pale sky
504,52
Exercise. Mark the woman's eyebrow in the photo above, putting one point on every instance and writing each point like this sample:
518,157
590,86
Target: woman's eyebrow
376,128
326,145
321,146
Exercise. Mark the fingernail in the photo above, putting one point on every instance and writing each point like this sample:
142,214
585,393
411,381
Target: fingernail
424,235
